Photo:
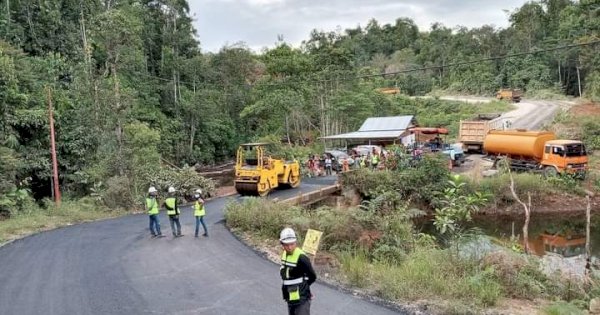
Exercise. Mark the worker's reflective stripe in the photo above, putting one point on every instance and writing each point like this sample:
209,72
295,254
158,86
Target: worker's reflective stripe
292,285
293,281
170,203
286,263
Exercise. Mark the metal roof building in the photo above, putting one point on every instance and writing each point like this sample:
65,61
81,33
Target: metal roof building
379,129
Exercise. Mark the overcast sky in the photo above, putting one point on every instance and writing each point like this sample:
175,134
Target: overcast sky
258,22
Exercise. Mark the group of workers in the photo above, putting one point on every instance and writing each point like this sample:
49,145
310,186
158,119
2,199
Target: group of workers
296,270
173,211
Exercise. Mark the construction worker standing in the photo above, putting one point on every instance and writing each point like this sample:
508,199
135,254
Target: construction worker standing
199,213
297,274
173,212
152,208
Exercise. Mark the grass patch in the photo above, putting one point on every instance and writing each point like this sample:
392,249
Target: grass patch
497,188
34,220
435,273
562,308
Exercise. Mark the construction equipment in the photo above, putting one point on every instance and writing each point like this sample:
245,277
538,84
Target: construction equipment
471,133
513,95
538,151
389,90
257,173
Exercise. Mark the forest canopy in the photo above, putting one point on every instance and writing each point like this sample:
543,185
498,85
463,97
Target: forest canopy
131,87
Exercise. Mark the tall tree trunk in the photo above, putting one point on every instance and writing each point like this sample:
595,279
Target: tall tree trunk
559,76
579,81
287,129
192,134
7,15
119,113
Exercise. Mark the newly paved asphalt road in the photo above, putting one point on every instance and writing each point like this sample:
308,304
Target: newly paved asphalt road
114,267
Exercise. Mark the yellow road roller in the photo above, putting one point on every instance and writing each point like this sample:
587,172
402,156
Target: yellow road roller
257,173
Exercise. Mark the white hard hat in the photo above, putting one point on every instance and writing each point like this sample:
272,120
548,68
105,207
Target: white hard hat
199,191
171,189
152,189
287,236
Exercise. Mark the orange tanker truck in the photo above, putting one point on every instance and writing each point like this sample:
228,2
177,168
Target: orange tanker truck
537,151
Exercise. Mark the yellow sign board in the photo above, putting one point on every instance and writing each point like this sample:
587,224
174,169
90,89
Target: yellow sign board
311,241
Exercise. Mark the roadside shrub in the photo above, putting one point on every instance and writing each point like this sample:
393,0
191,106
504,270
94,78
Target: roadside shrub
419,183
266,218
562,308
520,276
338,226
486,287
356,267
116,194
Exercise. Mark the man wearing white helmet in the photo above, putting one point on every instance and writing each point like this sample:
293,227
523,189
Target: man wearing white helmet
152,208
199,212
297,274
173,212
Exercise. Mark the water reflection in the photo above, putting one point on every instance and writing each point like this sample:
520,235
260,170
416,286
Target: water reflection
564,236
566,246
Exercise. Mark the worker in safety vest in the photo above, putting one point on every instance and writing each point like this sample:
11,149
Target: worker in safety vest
199,212
173,212
152,208
374,159
297,274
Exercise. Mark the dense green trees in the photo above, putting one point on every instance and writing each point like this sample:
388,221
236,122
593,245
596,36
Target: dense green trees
132,89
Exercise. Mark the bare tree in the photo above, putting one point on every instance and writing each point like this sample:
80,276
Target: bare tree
526,207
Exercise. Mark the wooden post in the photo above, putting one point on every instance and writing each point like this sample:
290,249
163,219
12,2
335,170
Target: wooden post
588,254
579,81
53,150
526,224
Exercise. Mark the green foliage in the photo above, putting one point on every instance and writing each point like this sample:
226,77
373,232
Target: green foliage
591,133
263,218
562,308
456,207
431,273
428,177
356,268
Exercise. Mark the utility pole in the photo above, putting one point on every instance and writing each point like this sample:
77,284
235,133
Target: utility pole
53,150
579,80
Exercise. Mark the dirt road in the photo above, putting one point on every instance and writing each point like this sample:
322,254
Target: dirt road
533,115
529,114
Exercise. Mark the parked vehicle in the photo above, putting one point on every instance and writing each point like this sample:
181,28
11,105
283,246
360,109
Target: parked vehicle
538,151
513,95
366,149
455,152
471,133
257,173
337,159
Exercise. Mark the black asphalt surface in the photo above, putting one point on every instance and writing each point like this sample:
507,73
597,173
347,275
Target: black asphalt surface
114,267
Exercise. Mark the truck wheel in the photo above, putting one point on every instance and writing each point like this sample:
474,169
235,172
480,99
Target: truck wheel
550,171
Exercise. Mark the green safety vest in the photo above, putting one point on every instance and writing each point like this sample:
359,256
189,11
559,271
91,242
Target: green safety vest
170,204
289,262
375,159
199,209
152,206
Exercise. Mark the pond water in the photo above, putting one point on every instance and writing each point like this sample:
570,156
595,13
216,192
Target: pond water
562,235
